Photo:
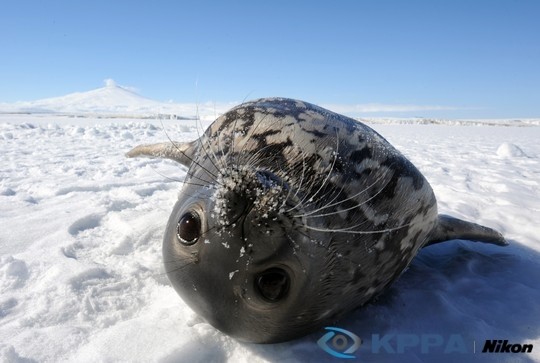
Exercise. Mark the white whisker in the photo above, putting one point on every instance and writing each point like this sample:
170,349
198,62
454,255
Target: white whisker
351,230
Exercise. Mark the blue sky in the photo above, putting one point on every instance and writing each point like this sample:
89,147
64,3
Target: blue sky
455,58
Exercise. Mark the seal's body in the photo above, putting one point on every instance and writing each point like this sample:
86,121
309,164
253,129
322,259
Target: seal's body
291,216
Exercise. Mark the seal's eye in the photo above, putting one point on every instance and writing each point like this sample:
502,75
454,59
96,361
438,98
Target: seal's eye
273,284
189,228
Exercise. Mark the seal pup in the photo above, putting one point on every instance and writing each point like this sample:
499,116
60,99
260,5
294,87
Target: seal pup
291,216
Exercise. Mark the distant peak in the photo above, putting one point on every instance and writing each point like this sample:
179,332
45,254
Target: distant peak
110,83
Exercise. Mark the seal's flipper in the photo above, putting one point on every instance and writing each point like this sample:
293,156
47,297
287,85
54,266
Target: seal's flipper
452,228
182,152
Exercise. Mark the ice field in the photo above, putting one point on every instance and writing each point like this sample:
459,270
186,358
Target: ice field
81,276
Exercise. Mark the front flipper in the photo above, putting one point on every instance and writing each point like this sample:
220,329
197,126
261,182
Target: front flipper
449,228
182,153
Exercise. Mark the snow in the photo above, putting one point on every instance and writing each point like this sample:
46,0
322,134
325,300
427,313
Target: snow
82,279
508,150
461,122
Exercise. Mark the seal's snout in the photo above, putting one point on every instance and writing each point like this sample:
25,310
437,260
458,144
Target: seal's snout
246,190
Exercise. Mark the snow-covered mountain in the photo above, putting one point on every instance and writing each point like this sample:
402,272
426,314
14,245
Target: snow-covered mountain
113,100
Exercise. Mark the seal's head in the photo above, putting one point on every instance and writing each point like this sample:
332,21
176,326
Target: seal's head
232,253
291,216
236,247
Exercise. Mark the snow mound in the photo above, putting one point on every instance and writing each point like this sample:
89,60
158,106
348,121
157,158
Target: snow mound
509,150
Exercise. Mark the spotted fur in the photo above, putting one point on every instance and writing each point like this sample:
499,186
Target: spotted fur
280,183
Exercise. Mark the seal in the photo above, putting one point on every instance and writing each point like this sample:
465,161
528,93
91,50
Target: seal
292,216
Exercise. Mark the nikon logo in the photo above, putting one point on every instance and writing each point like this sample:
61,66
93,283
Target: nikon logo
502,346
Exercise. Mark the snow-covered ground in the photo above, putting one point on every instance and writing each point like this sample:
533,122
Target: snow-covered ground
459,122
81,277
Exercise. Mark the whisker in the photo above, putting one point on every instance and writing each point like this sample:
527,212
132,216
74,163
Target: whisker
328,195
215,162
180,264
174,179
177,269
350,229
301,181
296,247
252,159
308,195
193,162
196,184
310,214
165,176
331,169
248,137
221,160
332,252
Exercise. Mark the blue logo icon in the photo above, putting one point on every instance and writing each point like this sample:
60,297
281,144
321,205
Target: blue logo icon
336,341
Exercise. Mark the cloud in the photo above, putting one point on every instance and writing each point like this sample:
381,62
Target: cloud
387,108
109,82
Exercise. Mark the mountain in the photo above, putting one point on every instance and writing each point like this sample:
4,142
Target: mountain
116,101
112,100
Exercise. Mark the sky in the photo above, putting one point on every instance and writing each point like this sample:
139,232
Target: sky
432,58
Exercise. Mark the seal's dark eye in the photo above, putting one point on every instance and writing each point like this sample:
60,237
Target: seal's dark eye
273,284
189,228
